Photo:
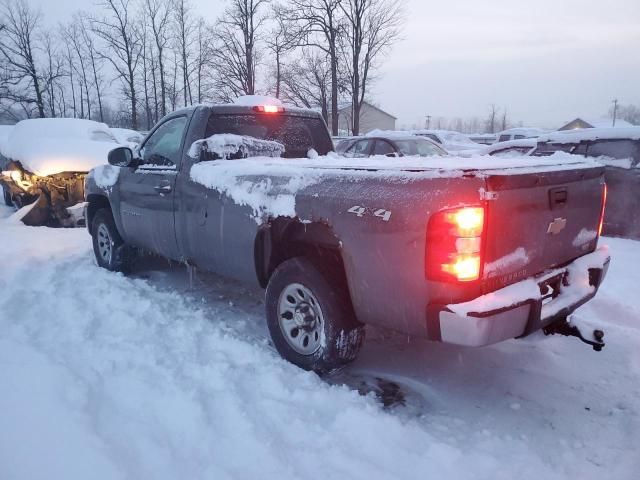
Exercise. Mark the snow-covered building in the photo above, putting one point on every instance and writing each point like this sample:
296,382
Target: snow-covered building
371,118
584,122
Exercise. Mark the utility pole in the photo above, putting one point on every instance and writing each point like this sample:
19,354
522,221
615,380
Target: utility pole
428,121
615,111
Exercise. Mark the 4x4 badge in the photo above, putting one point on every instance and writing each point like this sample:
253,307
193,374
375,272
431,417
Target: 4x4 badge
557,226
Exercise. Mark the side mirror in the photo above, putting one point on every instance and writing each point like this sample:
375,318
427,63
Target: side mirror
121,157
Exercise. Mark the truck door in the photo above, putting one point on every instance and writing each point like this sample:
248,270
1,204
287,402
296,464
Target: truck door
147,192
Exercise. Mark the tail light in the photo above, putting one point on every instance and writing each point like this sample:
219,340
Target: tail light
454,244
604,204
268,109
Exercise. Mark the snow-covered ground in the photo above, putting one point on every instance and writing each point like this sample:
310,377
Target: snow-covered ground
110,377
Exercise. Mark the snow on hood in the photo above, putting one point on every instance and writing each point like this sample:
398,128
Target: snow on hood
270,185
46,146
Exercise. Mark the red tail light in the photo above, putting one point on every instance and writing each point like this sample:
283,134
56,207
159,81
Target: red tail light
268,109
454,244
604,204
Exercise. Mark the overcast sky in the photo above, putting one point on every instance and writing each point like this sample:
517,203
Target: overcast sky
546,61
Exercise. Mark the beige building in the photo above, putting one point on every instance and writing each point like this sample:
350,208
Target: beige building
371,118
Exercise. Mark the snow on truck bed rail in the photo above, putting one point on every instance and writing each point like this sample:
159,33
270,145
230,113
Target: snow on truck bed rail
269,185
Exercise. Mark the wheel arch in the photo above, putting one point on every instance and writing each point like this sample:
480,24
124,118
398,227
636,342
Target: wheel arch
95,202
285,238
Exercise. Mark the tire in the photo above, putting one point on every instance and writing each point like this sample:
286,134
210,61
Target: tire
109,248
304,300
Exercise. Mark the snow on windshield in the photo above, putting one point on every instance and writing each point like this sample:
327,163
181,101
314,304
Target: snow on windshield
46,146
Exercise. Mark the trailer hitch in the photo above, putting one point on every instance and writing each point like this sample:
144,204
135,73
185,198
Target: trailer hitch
566,328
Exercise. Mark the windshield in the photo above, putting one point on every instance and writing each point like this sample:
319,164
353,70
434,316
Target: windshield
297,134
419,147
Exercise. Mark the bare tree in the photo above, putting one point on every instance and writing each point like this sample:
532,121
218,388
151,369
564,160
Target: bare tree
280,40
158,13
118,31
185,28
492,119
72,35
204,41
372,28
235,53
23,80
318,23
307,82
629,113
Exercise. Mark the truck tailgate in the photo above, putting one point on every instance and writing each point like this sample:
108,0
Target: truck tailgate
537,221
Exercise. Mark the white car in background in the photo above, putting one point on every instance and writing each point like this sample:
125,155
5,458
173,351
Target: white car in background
519,133
44,164
512,148
453,142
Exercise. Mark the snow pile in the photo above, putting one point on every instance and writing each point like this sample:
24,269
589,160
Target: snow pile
46,146
105,176
228,145
110,377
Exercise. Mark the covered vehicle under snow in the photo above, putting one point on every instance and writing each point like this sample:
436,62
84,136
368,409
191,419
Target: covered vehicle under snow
44,163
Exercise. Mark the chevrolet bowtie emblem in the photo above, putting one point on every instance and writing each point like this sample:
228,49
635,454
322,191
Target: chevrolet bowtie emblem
557,226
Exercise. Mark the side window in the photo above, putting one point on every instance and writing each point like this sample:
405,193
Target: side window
618,149
162,148
504,138
383,147
359,149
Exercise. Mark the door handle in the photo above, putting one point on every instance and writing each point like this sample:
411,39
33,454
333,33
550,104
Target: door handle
162,189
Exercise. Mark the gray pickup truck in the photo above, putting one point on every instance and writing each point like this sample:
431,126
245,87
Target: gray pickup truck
443,248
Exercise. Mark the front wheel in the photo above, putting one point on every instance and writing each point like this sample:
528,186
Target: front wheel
310,317
108,246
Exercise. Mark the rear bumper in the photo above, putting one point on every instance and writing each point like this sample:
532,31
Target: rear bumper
527,306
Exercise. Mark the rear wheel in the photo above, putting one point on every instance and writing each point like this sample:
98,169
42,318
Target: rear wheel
109,248
310,317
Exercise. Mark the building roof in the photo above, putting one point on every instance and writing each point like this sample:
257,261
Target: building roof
601,122
347,105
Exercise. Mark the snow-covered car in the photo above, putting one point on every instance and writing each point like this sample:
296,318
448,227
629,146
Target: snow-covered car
45,162
519,133
445,248
398,145
512,148
449,140
127,137
483,138
619,150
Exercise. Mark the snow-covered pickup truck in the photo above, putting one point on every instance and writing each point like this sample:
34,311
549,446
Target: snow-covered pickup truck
466,251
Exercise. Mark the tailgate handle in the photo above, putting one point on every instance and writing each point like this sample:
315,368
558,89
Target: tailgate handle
558,197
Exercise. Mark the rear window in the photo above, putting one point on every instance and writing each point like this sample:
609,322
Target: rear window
297,134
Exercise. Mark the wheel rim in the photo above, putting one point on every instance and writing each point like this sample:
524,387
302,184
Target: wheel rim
105,245
300,318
